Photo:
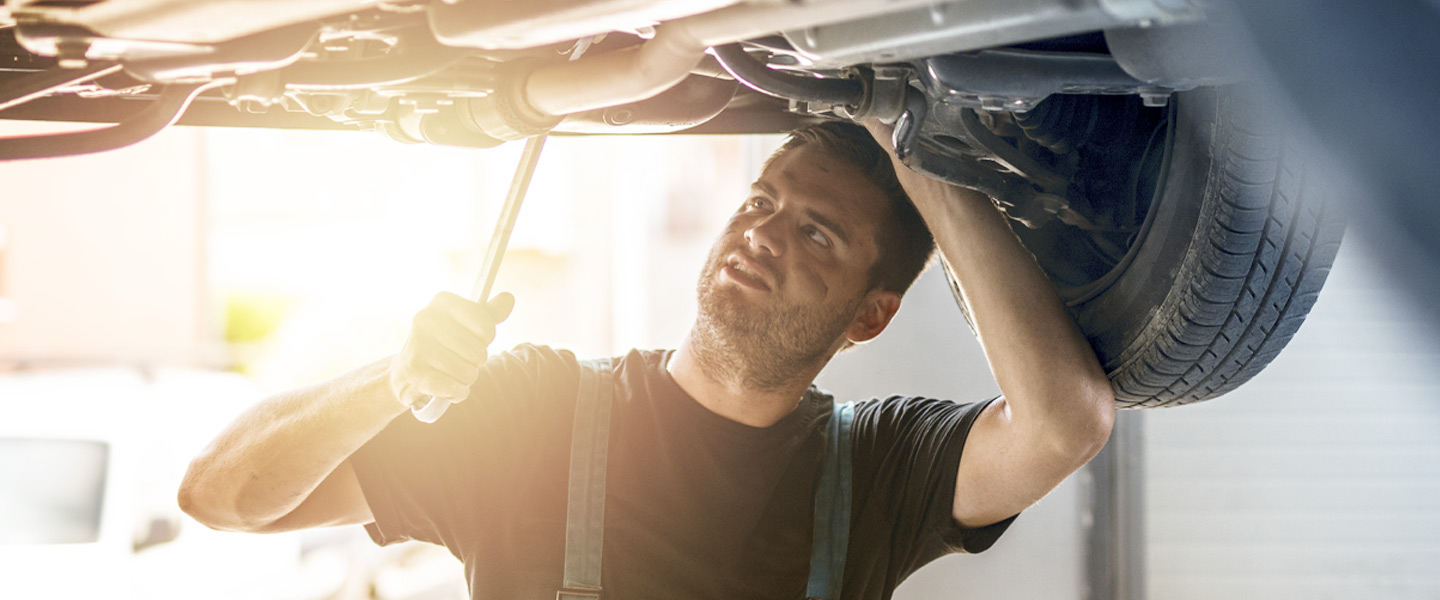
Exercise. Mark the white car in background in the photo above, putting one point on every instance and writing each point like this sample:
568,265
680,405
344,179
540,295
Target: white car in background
90,460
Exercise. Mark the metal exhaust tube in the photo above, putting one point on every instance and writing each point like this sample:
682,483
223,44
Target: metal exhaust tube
616,78
533,102
756,76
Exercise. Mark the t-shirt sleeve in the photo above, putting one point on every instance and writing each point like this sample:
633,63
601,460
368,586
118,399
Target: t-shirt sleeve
433,481
907,454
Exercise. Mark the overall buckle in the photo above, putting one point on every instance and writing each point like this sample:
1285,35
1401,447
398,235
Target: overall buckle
578,593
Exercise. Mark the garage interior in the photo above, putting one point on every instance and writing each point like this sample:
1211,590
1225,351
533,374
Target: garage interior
1320,478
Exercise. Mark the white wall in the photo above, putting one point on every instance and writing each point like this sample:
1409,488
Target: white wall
105,257
1321,477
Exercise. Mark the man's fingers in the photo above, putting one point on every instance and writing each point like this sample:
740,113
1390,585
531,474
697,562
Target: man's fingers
473,316
446,364
431,330
500,306
442,374
424,369
448,344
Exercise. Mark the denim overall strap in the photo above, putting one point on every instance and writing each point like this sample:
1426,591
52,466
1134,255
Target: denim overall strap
832,510
585,512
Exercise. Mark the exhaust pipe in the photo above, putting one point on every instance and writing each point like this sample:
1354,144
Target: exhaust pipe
532,101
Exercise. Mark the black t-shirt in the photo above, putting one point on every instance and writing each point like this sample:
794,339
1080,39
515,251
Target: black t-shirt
697,506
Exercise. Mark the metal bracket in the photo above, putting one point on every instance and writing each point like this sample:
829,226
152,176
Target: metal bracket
964,152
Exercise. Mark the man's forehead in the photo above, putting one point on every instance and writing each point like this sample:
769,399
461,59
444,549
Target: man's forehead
811,154
811,168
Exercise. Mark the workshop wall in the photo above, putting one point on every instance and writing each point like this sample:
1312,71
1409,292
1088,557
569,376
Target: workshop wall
81,266
1321,477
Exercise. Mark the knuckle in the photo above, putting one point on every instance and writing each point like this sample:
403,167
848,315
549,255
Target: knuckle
437,387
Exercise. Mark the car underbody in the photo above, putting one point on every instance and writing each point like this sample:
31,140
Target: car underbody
1082,119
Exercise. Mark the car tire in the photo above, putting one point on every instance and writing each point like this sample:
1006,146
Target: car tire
1236,245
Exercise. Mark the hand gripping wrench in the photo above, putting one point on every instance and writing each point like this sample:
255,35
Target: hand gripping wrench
428,410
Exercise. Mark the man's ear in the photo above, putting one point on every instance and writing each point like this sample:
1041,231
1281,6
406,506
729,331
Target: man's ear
874,316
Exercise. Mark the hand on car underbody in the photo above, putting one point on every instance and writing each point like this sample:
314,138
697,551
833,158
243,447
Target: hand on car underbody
447,345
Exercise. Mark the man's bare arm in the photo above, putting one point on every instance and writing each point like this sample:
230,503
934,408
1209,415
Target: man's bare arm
1057,405
282,465
289,448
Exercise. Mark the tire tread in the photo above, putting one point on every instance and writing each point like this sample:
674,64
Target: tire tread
1260,267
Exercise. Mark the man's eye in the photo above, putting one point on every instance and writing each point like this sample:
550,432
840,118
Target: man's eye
758,203
817,236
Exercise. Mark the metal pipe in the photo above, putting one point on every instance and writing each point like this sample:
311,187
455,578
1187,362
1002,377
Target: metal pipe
722,26
745,21
161,113
637,74
756,76
615,78
640,73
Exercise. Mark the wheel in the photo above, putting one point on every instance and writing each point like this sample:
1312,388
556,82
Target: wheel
1230,243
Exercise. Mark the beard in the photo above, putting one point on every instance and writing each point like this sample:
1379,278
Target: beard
764,346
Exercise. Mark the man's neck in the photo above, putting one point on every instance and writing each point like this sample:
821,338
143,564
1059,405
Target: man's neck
730,397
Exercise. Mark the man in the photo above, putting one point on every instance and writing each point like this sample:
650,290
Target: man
715,447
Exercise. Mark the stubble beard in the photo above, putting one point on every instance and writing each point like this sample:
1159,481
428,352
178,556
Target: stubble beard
763,347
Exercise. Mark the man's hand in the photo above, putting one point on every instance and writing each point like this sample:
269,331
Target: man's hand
282,464
448,344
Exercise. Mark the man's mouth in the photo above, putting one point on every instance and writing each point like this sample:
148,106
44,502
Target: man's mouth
747,272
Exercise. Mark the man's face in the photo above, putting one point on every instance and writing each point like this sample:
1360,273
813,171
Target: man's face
786,277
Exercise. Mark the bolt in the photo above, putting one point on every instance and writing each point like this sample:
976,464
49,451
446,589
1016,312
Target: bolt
619,116
320,104
1155,98
252,105
421,105
71,53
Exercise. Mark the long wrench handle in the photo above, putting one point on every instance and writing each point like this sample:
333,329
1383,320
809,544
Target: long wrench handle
429,410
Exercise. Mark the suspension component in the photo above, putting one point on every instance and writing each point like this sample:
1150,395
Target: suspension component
161,113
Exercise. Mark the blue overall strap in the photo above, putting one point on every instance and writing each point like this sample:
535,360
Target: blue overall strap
832,510
585,512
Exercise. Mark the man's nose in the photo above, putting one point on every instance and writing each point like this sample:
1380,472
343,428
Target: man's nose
766,235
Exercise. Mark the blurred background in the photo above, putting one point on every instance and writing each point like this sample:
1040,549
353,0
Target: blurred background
148,295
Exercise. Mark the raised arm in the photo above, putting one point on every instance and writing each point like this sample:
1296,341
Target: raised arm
282,465
1057,405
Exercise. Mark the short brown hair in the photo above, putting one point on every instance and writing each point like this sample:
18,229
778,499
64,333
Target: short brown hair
904,241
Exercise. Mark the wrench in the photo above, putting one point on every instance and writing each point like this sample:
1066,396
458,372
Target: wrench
428,410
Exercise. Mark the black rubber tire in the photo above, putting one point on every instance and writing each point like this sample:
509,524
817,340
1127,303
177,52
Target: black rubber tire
1236,245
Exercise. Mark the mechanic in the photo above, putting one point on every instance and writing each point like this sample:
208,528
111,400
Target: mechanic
716,446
